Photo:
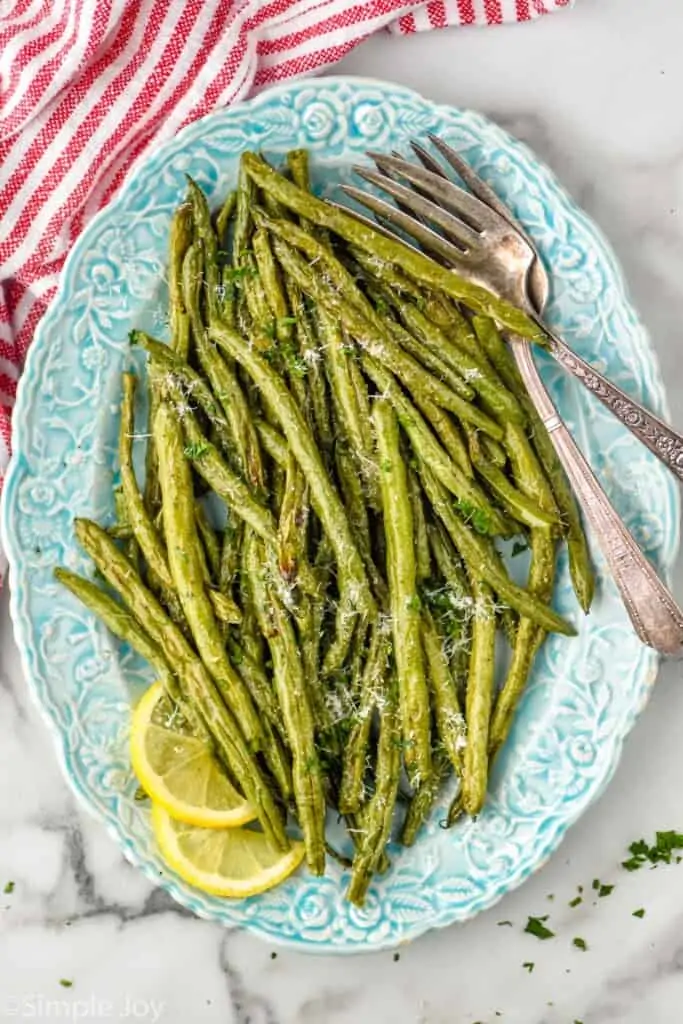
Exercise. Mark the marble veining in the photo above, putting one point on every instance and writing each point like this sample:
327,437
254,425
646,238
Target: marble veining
79,912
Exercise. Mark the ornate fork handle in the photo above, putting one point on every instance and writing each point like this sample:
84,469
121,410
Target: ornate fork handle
656,617
658,436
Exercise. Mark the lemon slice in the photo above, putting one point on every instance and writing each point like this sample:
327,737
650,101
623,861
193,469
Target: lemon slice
177,769
233,862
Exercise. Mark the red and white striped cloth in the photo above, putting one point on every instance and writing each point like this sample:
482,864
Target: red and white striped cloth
87,85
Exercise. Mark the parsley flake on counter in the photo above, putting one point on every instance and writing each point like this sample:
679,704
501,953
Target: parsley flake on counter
65,983
9,888
580,944
505,924
661,853
535,926
529,966
575,902
638,913
605,890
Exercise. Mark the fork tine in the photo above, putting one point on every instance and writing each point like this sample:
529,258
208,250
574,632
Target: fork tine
426,159
396,177
428,239
440,189
538,277
378,226
398,202
452,226
405,209
382,224
475,184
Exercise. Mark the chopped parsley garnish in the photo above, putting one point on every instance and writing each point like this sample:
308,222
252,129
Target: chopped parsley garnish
397,957
580,944
65,983
661,853
9,888
535,926
233,277
518,547
285,355
195,451
575,902
605,890
529,966
480,521
639,913
474,515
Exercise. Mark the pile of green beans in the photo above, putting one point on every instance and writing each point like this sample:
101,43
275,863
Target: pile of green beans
339,445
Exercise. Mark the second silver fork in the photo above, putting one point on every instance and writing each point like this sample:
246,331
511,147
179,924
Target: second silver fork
656,617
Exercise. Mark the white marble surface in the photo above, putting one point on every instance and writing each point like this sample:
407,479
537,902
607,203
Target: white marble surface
596,92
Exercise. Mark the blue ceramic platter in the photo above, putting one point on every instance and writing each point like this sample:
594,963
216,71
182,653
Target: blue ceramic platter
584,695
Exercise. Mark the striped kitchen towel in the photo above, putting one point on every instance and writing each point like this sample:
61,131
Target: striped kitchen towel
86,87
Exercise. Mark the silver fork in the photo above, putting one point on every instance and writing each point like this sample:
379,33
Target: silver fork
656,618
489,249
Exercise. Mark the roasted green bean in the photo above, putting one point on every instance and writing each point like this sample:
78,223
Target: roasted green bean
449,719
528,639
479,699
297,715
323,495
423,799
403,596
412,262
224,214
195,681
583,577
428,450
126,627
351,794
376,820
485,564
380,344
185,564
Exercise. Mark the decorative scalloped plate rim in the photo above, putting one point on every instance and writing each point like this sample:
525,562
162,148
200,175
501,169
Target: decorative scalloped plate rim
23,626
